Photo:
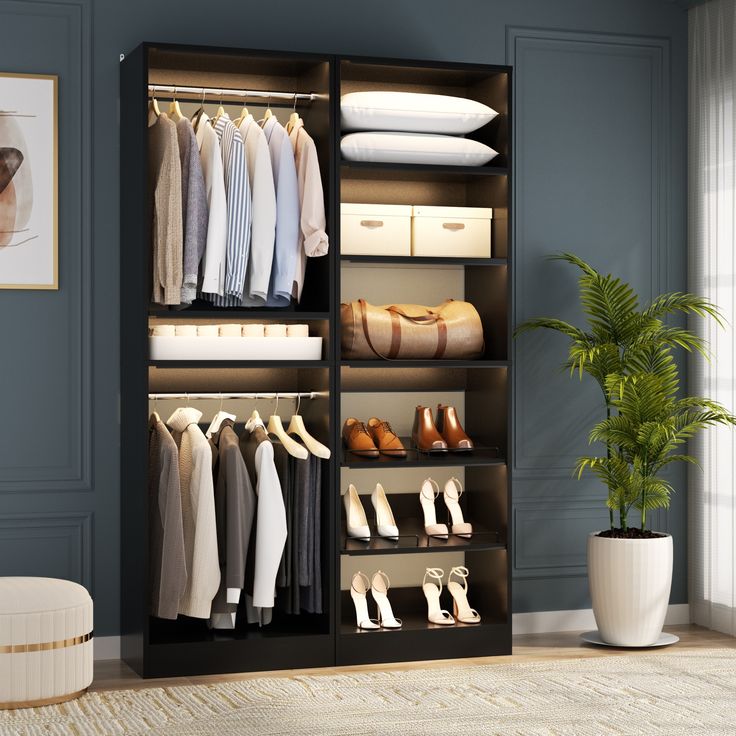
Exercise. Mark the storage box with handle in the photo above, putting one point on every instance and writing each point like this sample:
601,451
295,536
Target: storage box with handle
451,331
451,232
375,229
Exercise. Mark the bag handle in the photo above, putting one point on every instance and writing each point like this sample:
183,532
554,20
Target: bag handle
433,318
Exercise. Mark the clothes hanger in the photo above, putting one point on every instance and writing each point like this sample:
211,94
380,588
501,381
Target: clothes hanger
268,114
218,419
198,112
296,426
293,118
153,105
276,428
243,113
155,417
220,111
255,421
175,112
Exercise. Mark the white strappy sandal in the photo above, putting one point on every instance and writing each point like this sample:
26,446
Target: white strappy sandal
459,592
379,588
359,587
427,495
432,592
453,491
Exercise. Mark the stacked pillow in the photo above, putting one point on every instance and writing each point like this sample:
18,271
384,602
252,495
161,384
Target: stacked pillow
413,128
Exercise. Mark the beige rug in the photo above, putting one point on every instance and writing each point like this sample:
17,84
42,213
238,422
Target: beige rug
670,693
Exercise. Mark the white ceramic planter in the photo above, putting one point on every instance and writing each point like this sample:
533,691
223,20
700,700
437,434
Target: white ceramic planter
630,582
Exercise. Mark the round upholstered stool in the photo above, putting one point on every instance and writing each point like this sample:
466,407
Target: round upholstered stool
45,641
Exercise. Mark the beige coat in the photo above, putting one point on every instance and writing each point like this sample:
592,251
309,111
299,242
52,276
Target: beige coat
313,240
164,182
198,513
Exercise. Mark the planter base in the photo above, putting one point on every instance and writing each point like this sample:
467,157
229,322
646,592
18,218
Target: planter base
593,637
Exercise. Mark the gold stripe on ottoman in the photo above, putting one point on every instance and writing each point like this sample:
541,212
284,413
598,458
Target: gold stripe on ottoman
46,641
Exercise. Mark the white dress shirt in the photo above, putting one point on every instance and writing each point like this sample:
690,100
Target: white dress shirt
213,276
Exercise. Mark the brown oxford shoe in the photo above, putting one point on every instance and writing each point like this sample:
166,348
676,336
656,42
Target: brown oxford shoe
357,439
385,438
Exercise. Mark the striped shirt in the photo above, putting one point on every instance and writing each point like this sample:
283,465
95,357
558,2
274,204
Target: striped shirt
237,189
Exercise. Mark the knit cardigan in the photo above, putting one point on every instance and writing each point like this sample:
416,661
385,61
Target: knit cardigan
198,513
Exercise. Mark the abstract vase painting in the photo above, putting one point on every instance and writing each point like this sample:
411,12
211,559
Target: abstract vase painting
28,182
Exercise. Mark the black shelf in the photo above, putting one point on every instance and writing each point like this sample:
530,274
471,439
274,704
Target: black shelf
430,169
236,314
480,456
380,363
414,540
415,622
239,364
425,260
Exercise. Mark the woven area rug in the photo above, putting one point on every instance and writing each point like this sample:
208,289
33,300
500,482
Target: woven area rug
670,693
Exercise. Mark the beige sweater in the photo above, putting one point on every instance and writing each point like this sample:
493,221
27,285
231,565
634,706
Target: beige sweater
198,513
164,183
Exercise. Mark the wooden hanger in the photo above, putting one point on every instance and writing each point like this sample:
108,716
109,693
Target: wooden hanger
198,112
268,114
153,105
175,112
243,114
296,426
276,428
220,111
293,118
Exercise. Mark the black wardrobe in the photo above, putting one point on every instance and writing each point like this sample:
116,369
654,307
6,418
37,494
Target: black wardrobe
157,648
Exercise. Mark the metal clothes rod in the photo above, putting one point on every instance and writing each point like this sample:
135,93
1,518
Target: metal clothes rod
222,92
226,395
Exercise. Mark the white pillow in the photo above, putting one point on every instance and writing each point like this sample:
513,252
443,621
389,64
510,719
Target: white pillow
415,148
413,112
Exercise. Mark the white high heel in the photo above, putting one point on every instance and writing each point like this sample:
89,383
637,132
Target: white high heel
385,522
461,608
356,521
379,588
453,491
359,587
432,592
427,496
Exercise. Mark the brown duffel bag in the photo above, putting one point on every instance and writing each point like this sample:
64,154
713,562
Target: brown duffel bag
452,331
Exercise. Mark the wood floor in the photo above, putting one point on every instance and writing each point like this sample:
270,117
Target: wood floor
115,675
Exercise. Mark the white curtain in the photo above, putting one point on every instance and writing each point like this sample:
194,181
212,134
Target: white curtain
712,273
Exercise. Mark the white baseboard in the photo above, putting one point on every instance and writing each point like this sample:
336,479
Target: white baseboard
545,622
107,647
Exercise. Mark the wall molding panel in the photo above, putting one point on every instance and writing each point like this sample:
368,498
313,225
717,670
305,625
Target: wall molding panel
527,47
72,21
32,543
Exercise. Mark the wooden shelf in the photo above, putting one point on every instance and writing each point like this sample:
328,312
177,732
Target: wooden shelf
379,363
235,314
414,540
432,170
425,260
239,364
480,456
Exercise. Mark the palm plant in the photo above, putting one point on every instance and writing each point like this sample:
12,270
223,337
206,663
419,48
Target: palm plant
628,351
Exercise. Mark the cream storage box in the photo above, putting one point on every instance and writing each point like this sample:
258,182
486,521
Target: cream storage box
375,229
451,232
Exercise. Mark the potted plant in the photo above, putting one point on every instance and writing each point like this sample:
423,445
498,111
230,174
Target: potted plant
628,351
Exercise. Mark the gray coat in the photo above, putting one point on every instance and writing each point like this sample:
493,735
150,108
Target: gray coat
168,561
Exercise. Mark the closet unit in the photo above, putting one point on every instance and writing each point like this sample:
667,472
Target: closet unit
479,389
332,388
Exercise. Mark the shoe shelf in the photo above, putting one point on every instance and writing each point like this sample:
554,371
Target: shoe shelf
413,540
425,260
425,364
490,455
235,314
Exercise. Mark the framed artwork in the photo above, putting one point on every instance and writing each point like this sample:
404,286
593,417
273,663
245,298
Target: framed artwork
28,181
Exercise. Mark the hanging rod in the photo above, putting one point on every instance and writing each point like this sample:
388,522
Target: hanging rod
218,92
226,395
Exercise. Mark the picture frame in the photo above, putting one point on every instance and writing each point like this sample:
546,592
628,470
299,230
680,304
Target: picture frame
29,126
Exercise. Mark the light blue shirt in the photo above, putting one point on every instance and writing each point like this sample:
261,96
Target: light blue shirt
287,214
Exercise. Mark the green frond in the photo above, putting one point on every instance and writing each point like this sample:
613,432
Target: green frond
678,301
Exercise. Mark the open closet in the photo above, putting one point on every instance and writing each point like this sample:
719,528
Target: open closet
198,353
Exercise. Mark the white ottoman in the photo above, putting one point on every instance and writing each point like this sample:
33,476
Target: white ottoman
45,641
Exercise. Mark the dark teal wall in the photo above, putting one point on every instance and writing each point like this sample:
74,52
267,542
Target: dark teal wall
600,134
